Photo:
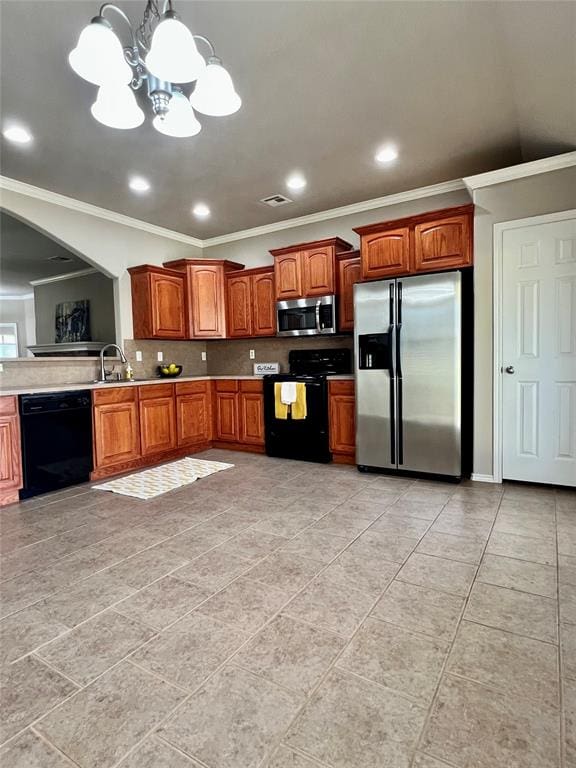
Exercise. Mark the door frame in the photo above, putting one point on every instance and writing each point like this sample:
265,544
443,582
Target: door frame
497,325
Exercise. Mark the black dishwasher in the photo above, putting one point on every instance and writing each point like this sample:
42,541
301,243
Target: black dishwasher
56,432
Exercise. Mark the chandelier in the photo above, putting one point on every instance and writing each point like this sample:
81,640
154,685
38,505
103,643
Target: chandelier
163,55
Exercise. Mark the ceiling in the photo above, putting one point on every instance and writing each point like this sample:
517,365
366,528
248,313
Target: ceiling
460,87
25,256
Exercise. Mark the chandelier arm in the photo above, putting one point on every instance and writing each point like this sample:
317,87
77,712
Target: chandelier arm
120,12
207,42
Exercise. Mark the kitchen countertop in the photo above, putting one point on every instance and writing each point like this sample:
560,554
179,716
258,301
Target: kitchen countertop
46,388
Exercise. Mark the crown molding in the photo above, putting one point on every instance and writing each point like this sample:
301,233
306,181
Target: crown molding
66,276
334,213
521,171
21,188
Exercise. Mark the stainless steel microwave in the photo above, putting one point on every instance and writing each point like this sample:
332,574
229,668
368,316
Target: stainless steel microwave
306,317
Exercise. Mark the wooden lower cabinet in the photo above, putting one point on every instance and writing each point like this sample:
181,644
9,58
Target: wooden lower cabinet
10,455
157,419
116,427
342,406
193,413
239,413
251,413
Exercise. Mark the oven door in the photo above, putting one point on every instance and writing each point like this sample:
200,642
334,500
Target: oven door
306,317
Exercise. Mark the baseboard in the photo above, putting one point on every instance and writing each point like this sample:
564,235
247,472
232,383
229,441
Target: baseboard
483,478
246,447
343,458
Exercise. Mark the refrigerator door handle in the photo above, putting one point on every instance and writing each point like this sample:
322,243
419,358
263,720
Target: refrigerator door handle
398,369
392,371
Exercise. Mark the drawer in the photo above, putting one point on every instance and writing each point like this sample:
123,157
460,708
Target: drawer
192,387
151,391
341,387
104,396
252,386
226,385
8,406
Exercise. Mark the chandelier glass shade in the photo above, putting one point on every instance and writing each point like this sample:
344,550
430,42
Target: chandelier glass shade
173,55
180,121
116,107
163,53
214,93
98,56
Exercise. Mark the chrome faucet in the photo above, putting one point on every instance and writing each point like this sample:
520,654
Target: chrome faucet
103,372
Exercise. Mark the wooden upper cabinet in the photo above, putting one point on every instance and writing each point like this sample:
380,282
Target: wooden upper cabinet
116,426
307,269
205,295
10,454
263,304
239,297
385,253
288,272
428,242
158,303
318,272
349,273
251,303
443,243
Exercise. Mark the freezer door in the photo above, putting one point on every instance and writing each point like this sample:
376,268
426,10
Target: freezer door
374,340
428,367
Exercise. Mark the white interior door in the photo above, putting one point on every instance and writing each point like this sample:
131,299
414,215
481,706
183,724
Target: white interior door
539,353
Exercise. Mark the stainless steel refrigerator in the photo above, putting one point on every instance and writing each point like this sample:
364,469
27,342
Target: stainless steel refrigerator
413,359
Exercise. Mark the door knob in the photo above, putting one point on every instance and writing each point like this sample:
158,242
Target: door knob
509,369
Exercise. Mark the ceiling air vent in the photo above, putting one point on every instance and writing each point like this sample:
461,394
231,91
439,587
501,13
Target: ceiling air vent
275,200
60,259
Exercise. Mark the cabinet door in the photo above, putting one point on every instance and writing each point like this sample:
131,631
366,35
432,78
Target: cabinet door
263,305
168,307
10,461
385,253
157,425
251,418
116,433
443,244
288,275
239,305
349,274
208,311
194,418
226,416
342,418
318,272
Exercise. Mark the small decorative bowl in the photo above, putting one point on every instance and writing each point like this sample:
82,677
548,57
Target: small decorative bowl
172,375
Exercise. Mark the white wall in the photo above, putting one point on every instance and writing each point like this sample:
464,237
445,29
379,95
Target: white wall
107,245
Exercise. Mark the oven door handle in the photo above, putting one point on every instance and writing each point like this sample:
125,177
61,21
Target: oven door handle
317,314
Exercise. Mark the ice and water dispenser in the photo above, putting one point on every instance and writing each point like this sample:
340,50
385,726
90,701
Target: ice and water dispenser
374,351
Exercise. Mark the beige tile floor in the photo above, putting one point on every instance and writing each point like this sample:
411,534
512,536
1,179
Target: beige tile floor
289,615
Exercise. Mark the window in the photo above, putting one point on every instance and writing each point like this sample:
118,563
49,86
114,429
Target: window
8,340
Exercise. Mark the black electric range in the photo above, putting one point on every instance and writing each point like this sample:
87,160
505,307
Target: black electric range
304,439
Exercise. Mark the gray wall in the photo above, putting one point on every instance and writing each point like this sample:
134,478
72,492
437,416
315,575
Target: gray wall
532,196
97,288
21,312
254,251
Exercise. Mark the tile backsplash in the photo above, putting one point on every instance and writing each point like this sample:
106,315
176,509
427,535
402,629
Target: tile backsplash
224,357
188,354
233,356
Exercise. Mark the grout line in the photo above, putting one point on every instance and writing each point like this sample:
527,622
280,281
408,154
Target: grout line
53,746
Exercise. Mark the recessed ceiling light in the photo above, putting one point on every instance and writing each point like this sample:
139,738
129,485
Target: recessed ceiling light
17,134
139,184
386,154
295,181
201,210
